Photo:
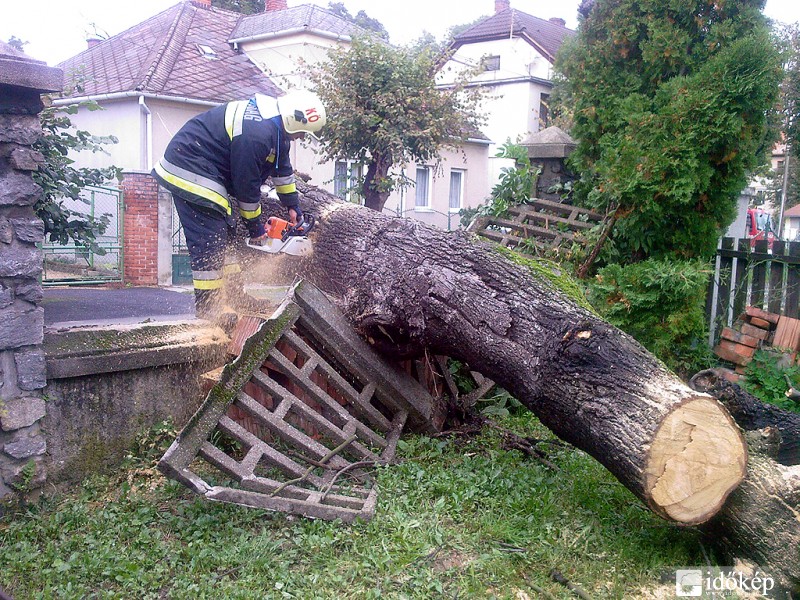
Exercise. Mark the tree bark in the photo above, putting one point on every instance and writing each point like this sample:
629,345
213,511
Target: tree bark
761,519
751,414
377,172
406,286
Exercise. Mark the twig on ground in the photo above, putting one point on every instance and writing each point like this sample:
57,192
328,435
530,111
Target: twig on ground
558,577
543,592
324,461
343,470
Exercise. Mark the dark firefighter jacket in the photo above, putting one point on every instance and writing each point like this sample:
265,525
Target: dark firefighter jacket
230,150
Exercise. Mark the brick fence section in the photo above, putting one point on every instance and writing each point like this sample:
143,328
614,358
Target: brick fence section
140,240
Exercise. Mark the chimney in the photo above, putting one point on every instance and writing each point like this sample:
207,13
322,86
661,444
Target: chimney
274,5
206,4
558,21
501,5
93,40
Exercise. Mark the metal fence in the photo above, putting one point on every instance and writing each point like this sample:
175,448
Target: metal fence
74,264
753,274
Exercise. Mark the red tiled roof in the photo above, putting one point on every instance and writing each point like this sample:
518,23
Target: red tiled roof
546,36
793,211
161,56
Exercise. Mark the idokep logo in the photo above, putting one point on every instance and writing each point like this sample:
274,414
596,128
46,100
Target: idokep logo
689,582
721,582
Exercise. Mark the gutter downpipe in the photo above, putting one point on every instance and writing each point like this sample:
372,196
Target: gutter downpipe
147,141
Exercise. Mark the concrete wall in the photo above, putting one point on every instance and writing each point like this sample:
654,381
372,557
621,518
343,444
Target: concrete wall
107,385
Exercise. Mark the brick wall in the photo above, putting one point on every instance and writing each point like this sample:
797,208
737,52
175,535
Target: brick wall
140,243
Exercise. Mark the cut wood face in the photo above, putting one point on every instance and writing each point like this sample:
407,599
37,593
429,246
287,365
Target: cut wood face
698,457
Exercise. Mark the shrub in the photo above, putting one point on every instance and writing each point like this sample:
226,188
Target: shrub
661,304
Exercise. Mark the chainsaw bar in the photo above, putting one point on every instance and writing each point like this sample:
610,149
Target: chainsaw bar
293,246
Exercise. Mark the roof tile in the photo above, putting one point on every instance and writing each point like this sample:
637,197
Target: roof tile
161,56
546,35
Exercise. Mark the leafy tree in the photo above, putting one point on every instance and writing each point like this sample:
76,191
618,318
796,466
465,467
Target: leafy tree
670,102
246,7
361,19
385,110
790,114
62,182
17,43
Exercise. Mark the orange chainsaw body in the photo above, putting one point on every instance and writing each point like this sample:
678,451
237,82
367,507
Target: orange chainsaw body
276,227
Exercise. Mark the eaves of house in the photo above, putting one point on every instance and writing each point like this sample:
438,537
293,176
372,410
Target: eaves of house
545,36
182,53
306,18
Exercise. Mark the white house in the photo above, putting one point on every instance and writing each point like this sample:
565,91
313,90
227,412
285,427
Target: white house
153,77
513,53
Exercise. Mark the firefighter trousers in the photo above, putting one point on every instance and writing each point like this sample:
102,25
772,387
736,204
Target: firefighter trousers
209,234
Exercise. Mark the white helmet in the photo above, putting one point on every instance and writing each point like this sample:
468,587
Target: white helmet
301,111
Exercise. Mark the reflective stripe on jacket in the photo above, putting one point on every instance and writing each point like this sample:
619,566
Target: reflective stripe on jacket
229,150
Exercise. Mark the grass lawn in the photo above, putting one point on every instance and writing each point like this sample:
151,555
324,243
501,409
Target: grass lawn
457,518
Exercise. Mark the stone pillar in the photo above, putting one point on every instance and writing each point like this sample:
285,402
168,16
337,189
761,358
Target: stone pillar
549,150
22,361
141,228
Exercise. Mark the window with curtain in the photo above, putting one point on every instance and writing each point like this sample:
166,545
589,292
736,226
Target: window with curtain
423,196
456,189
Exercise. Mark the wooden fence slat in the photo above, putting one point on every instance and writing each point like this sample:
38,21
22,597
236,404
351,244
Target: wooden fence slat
759,260
793,282
740,279
723,281
776,268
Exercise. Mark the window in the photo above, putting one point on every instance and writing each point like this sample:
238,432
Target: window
340,179
423,193
456,189
491,63
346,179
207,52
544,110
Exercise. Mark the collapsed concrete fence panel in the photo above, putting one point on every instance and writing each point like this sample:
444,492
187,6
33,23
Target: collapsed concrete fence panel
299,419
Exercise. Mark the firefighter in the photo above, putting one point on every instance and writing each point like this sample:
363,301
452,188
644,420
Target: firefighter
227,151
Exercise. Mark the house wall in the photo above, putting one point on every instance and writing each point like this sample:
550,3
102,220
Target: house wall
513,93
278,57
120,118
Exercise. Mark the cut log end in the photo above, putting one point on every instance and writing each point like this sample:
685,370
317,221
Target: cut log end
698,457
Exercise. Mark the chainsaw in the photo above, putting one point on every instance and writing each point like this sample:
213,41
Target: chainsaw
284,237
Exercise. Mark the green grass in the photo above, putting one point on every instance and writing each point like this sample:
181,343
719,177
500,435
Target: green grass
457,518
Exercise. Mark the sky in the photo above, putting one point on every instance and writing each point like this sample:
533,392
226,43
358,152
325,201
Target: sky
60,31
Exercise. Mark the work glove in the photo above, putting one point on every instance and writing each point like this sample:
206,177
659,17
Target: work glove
255,228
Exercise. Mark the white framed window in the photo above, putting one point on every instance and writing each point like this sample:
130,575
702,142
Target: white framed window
340,179
456,189
422,194
346,179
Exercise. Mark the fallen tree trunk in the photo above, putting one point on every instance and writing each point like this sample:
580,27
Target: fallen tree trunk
407,287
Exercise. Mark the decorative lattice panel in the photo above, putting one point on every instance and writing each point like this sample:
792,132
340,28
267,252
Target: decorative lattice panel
300,418
541,223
